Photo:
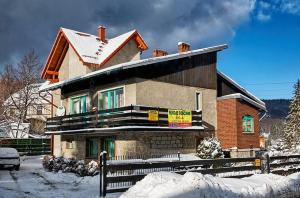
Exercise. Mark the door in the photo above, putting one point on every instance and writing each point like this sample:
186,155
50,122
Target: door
109,147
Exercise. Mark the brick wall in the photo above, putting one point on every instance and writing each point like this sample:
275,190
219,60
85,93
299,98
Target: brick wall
230,133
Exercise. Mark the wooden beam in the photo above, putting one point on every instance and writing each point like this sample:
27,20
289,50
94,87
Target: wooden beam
62,55
52,72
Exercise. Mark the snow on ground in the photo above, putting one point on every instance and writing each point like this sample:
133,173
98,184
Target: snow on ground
33,181
166,184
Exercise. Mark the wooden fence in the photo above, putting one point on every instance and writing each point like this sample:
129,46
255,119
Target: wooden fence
118,177
283,165
28,146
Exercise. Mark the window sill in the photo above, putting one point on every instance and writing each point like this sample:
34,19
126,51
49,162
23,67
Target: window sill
248,132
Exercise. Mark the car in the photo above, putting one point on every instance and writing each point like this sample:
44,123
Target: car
9,157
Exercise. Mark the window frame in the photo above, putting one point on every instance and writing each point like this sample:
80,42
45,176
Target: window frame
251,124
88,150
109,90
197,105
71,102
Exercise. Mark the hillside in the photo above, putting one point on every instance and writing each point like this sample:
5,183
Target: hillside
277,108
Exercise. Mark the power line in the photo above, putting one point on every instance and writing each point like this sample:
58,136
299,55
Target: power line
269,83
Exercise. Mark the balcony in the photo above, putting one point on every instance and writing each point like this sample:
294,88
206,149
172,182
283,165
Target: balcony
128,118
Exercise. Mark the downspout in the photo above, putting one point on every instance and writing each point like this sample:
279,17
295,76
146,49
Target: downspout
52,104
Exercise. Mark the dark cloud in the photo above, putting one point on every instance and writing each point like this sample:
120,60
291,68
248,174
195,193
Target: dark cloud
29,24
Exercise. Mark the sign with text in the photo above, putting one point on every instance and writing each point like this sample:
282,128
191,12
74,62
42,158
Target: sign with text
179,118
153,115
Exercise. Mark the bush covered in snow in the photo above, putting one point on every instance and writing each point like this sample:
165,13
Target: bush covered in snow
210,148
55,164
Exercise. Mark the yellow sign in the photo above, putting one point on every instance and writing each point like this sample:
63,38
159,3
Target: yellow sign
257,162
179,118
153,115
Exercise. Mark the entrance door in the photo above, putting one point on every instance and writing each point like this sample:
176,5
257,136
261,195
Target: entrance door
109,147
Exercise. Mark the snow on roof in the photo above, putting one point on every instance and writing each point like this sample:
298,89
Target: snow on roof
241,96
90,48
133,64
241,88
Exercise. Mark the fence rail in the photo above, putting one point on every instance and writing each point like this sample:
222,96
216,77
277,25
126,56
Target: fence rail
118,177
284,165
28,146
123,116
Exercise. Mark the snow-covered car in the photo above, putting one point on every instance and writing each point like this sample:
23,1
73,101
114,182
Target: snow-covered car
9,156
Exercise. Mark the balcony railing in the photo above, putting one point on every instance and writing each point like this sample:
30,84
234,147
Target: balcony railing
128,117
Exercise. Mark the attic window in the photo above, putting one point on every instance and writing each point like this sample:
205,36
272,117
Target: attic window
82,34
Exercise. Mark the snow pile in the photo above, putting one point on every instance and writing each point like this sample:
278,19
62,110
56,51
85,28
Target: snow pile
78,167
166,184
210,148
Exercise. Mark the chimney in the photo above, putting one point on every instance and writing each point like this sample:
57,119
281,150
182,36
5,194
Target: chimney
183,47
158,52
101,33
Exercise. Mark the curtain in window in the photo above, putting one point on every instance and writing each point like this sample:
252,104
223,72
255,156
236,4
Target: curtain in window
111,99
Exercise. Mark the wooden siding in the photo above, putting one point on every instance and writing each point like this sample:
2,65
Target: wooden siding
196,71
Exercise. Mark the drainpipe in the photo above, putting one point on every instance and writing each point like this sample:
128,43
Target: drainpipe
52,104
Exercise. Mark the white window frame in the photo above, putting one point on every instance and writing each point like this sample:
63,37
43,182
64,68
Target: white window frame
200,108
110,89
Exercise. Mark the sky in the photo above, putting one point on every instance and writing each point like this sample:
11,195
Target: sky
263,35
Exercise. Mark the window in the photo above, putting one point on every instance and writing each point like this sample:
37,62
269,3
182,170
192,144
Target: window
248,126
110,99
198,101
69,144
39,110
78,105
92,147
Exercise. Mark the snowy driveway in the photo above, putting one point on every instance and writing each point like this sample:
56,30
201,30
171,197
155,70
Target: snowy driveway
32,181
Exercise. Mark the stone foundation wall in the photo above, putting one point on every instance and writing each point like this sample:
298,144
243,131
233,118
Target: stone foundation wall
73,147
132,144
154,143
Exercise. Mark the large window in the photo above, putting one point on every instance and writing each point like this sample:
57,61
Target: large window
78,105
110,99
248,126
92,147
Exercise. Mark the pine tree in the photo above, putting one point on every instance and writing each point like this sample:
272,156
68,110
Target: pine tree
291,131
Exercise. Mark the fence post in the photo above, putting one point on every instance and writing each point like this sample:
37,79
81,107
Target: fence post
265,163
268,163
178,154
103,174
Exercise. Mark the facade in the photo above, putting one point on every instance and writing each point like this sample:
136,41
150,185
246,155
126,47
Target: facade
116,102
37,107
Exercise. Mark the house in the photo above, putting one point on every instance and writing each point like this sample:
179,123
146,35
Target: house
36,107
117,102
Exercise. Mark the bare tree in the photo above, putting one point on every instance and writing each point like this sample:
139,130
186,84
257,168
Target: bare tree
20,91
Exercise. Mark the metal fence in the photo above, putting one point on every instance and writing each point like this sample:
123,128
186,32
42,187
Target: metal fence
28,146
118,176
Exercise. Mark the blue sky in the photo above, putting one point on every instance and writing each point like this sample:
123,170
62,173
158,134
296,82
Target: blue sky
263,35
263,56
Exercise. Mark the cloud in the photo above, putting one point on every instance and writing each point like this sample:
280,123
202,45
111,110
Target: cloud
265,8
262,16
34,24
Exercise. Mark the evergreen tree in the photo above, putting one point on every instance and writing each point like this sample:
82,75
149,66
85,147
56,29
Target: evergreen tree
291,131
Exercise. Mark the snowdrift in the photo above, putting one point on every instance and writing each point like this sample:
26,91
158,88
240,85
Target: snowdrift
166,184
